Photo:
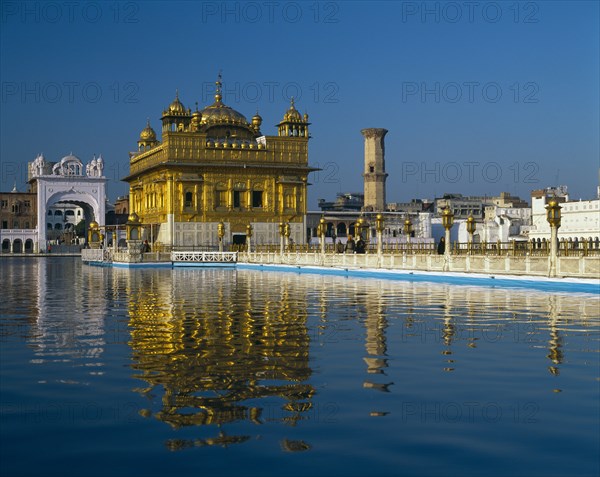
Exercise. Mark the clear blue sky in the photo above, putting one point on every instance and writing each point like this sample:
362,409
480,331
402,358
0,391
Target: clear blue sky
478,97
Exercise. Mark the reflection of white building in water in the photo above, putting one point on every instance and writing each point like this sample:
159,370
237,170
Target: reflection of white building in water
71,328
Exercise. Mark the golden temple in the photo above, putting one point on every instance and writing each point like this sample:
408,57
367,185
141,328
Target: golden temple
213,166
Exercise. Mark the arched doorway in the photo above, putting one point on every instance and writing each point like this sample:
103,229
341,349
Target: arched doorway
68,182
17,246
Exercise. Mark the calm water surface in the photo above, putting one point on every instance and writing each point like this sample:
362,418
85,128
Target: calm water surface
224,372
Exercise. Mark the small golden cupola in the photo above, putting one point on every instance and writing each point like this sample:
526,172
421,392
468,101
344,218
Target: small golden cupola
147,138
256,123
177,107
196,119
293,124
176,118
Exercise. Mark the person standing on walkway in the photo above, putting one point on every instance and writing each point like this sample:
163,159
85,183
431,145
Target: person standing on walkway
350,245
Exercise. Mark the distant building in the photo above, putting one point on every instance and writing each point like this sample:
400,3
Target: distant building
122,205
18,221
580,219
413,207
344,202
462,206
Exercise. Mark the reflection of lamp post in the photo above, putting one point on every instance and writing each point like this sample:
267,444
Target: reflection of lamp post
379,225
221,234
248,237
447,222
553,217
471,230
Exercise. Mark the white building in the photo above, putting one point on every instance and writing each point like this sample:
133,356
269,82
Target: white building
580,219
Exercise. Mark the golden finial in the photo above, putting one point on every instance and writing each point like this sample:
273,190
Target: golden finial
218,95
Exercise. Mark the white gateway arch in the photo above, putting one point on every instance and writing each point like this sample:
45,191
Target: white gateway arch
68,181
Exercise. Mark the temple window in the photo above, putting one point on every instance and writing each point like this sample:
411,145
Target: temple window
189,198
257,198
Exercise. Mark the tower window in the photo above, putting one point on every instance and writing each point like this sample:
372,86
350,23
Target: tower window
371,169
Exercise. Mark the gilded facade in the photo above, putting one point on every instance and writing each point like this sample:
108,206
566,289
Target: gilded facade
213,165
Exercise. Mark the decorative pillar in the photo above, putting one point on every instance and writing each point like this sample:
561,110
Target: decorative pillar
553,217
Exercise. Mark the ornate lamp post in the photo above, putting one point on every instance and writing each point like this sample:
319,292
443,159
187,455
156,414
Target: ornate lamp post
471,230
379,226
408,229
249,237
359,227
221,234
286,234
553,218
281,236
322,230
447,222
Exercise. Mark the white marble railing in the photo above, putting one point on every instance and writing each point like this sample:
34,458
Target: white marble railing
92,255
204,256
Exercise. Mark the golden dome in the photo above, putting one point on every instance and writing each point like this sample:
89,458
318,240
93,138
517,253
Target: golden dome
220,113
292,114
176,106
133,218
93,224
148,133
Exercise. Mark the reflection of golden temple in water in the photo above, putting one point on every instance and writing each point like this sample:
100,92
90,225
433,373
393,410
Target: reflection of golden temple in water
219,352
245,336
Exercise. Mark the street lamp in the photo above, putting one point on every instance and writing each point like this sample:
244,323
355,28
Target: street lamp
221,234
286,233
359,227
248,237
281,236
322,230
447,222
553,218
379,226
408,229
471,230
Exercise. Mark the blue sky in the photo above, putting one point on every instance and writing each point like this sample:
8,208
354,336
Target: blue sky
478,97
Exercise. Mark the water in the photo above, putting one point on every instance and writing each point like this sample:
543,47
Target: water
224,372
